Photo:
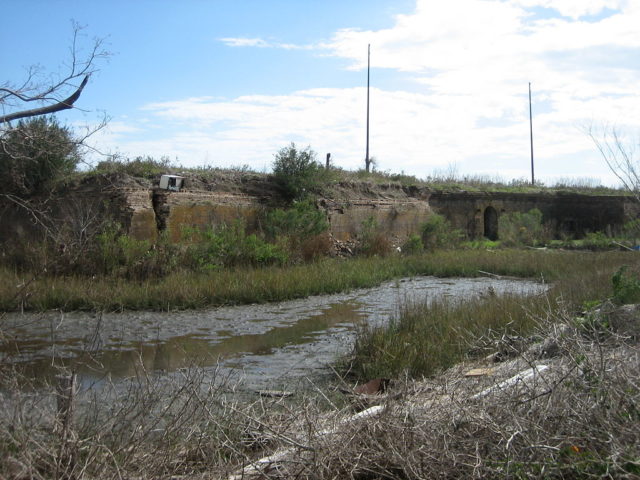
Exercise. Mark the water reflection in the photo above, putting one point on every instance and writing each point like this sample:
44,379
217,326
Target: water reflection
129,359
263,342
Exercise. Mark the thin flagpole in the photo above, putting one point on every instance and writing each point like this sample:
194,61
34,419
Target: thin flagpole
366,160
533,178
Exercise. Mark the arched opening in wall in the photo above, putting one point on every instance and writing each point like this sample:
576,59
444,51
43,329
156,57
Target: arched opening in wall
491,223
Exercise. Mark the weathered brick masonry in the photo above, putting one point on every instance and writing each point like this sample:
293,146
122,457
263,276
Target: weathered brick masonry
144,211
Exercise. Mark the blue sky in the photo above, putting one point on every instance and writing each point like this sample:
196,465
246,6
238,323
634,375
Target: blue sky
228,83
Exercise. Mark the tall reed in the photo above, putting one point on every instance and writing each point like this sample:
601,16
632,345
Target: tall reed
250,285
427,336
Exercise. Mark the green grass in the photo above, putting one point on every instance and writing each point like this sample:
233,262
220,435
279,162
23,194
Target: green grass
241,286
450,180
427,337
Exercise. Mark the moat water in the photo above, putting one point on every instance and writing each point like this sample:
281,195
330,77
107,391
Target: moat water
263,346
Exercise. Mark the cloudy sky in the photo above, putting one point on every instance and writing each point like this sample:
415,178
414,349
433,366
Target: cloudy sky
229,82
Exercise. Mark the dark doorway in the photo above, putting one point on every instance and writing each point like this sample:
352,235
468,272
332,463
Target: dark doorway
491,223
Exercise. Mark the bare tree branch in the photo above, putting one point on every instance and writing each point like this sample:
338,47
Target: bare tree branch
619,153
57,107
54,94
37,152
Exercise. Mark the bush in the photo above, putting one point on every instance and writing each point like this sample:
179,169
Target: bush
296,171
34,154
596,240
230,246
302,228
372,240
315,247
413,245
517,228
126,257
438,233
626,287
304,220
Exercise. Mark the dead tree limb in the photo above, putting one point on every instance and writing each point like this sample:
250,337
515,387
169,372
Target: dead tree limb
56,107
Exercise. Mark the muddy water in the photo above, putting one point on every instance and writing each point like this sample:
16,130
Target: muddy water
265,346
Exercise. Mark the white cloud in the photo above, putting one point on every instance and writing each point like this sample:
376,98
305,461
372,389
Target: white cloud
471,61
261,43
574,8
244,42
476,57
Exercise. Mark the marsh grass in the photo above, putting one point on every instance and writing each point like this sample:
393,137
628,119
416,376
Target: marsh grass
428,336
252,285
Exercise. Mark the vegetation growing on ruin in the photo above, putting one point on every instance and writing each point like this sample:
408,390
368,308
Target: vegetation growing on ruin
163,428
208,266
311,176
437,233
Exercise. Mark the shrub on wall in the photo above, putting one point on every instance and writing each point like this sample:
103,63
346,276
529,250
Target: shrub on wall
413,245
297,172
302,228
302,220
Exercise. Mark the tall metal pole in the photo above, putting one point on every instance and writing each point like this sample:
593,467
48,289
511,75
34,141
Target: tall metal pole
533,178
366,159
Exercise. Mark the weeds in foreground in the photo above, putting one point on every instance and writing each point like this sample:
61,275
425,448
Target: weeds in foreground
156,426
576,419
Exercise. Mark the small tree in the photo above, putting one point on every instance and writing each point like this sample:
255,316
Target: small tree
34,153
296,171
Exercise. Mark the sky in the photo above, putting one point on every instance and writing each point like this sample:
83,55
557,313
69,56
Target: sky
227,83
